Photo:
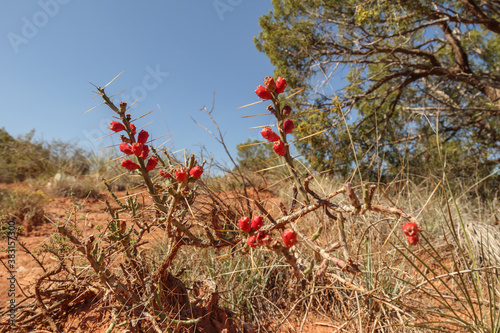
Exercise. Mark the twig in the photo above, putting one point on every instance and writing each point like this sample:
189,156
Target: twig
342,241
265,212
394,211
220,139
295,192
8,270
176,245
153,322
352,196
38,297
31,254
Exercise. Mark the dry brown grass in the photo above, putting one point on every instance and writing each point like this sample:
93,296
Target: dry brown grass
171,258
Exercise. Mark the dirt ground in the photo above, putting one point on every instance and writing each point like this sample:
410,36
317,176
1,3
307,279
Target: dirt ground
27,269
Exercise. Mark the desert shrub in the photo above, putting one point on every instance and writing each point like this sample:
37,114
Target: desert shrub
66,156
20,158
254,155
102,170
26,209
91,182
63,185
23,158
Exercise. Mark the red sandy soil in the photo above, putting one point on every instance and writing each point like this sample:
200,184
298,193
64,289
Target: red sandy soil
27,269
92,214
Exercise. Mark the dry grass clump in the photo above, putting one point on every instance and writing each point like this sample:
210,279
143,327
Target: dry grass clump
90,185
62,185
484,241
26,209
450,280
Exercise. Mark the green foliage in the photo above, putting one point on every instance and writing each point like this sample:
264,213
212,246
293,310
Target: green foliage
24,158
253,156
315,128
20,158
417,75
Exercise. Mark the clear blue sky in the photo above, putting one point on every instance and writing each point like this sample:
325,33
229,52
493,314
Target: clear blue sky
175,55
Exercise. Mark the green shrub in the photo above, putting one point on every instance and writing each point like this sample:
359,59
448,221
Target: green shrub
23,157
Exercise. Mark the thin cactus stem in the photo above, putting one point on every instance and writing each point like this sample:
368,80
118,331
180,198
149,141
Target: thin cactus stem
288,157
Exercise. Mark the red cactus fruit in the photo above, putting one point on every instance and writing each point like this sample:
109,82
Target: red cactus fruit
145,152
123,226
116,126
412,240
153,161
288,126
126,148
262,92
165,174
137,148
244,224
196,171
279,148
269,134
129,165
132,127
252,241
289,237
287,110
257,222
143,136
263,238
410,229
280,85
181,175
269,84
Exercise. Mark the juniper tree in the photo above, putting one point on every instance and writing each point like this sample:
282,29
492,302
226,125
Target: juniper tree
396,77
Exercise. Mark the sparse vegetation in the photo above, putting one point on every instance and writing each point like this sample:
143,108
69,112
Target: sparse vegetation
344,256
25,208
384,222
23,158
